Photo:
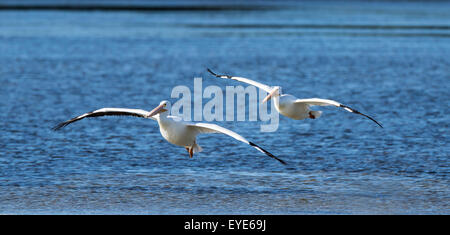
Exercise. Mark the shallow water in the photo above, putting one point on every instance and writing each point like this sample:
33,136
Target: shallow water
389,60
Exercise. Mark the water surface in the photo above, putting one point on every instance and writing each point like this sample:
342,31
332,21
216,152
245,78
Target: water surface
389,60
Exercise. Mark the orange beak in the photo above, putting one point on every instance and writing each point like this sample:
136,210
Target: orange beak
157,110
269,96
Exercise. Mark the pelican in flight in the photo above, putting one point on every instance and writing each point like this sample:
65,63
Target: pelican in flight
289,105
172,128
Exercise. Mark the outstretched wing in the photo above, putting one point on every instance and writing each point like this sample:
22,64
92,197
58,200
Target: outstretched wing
212,128
106,112
325,102
266,88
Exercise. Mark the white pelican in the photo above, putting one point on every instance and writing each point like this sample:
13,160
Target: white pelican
289,105
172,128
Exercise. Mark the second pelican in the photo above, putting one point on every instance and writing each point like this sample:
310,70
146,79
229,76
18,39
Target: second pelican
289,105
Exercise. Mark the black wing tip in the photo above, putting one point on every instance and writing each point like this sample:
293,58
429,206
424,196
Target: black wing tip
211,72
268,153
59,126
378,124
282,162
217,75
357,112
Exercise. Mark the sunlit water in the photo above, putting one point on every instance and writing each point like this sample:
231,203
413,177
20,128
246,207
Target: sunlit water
389,60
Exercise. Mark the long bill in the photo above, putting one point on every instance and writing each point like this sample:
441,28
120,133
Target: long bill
269,96
158,109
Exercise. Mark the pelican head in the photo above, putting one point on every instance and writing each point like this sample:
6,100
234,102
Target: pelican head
163,107
276,91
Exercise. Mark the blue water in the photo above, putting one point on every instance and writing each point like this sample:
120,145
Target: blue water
387,59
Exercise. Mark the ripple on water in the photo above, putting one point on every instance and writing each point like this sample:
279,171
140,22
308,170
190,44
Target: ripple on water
394,68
